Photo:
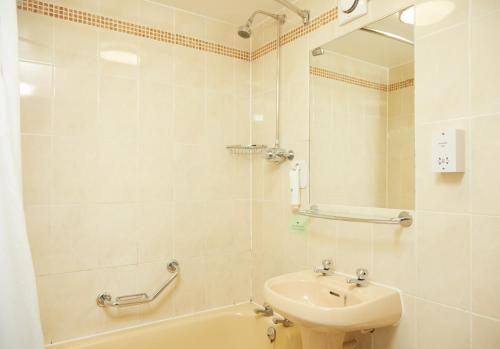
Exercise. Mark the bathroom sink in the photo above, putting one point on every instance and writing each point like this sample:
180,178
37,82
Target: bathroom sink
327,307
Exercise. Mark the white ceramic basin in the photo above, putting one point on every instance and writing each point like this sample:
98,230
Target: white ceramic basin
327,306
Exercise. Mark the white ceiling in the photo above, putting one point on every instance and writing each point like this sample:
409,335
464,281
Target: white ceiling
377,49
235,12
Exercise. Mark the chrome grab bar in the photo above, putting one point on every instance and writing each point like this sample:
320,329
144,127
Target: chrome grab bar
105,299
404,218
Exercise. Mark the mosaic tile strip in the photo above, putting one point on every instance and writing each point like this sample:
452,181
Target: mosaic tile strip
324,73
296,33
82,17
328,74
401,84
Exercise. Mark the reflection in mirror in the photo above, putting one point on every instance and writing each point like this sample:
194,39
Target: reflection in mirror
362,118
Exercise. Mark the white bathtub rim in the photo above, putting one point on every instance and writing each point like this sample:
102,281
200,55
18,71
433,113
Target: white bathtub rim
154,322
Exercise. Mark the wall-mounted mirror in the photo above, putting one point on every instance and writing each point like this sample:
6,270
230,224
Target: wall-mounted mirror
362,117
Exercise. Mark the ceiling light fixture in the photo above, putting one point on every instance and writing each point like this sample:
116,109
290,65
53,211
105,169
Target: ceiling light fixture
429,12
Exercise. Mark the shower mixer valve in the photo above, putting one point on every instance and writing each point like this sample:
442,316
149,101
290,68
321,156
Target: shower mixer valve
278,154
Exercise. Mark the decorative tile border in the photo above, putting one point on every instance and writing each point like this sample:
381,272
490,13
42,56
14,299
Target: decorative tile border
328,74
68,14
296,33
91,19
401,84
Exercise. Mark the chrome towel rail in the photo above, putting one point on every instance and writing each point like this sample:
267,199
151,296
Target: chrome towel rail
404,218
106,300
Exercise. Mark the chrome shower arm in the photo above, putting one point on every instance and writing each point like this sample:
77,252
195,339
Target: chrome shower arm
279,18
304,14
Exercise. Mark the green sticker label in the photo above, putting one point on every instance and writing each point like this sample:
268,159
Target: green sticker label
298,223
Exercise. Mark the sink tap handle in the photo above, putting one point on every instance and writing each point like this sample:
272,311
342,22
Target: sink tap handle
361,274
327,264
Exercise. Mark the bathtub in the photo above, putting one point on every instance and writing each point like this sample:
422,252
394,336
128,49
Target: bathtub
235,327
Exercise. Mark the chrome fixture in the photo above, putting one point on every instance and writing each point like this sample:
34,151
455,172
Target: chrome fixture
266,310
276,153
327,270
304,14
271,334
249,149
318,51
106,300
352,8
388,35
404,219
361,275
282,320
245,31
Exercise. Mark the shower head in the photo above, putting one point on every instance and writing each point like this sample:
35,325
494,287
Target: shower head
318,51
244,31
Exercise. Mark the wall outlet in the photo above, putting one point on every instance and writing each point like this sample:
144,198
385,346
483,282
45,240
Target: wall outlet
448,151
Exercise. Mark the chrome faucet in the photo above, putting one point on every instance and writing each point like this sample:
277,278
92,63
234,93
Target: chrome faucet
284,321
327,270
361,274
266,310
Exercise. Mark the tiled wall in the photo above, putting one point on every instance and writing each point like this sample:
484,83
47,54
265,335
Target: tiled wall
348,126
125,165
401,139
111,195
443,263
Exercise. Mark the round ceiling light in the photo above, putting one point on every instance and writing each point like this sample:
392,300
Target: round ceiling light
429,12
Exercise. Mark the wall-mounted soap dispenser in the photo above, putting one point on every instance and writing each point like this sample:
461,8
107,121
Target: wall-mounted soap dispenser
448,151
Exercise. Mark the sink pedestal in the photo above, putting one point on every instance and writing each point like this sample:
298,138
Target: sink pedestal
317,339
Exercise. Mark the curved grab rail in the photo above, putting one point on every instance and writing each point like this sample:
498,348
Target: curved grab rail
105,299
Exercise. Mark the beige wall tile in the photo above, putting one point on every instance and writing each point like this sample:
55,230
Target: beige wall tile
75,102
37,93
75,54
484,68
441,327
442,78
70,244
485,333
118,100
353,247
156,61
190,67
484,173
66,317
485,244
74,177
394,257
118,232
36,37
189,229
126,10
118,54
443,252
401,335
155,235
483,7
426,20
153,14
189,24
117,170
83,5
37,162
190,118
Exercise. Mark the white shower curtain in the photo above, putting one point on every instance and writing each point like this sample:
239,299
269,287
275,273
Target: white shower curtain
19,317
